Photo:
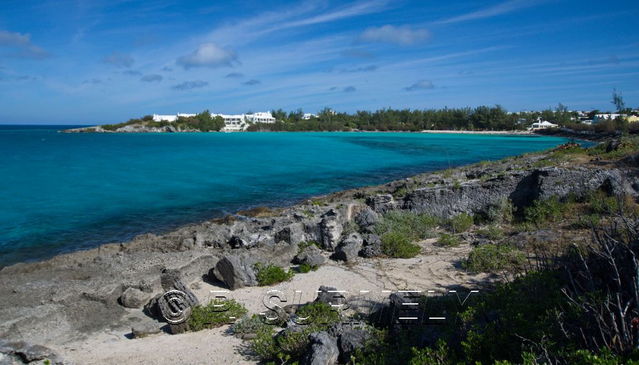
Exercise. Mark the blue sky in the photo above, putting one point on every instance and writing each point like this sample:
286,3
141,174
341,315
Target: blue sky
89,61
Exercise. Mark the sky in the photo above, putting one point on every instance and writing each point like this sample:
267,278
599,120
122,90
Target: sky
89,62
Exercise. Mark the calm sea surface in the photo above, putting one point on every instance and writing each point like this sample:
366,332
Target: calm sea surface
63,192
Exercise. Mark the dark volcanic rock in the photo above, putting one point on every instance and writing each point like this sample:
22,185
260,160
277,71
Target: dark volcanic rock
366,219
310,255
330,296
292,234
349,248
323,350
381,203
28,353
134,298
372,246
330,230
350,340
236,271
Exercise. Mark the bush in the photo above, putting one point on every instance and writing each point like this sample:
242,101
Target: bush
460,223
398,245
305,268
318,313
542,211
271,274
413,226
249,325
211,315
448,240
494,258
492,233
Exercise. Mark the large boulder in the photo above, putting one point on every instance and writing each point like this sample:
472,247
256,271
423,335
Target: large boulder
236,271
291,234
330,295
134,298
21,352
366,219
330,230
350,340
323,350
311,256
381,203
348,249
372,246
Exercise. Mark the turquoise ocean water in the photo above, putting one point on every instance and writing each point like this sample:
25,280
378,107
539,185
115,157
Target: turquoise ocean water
63,192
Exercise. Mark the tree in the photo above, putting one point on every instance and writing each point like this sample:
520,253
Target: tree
617,100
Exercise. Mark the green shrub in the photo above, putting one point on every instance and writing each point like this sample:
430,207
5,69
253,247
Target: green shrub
305,268
211,315
271,274
413,226
502,212
318,313
492,233
249,325
495,258
448,240
396,244
460,223
542,211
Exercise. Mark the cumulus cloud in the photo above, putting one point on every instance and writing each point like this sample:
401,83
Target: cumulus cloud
151,78
188,85
252,82
22,43
208,55
234,75
420,85
360,69
92,81
404,36
166,69
349,89
333,88
121,60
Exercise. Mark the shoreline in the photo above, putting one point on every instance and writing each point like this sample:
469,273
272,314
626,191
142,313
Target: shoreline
74,301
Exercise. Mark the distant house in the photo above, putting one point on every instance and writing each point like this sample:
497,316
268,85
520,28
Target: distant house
240,122
170,118
632,119
542,124
606,116
308,116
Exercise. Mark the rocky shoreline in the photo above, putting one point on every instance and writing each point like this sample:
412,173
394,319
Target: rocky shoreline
114,287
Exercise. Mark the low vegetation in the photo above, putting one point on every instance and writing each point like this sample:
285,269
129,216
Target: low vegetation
215,314
202,122
271,274
398,245
495,258
448,240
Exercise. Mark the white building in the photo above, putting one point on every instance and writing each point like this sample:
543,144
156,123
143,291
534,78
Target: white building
170,118
308,116
542,124
606,116
232,122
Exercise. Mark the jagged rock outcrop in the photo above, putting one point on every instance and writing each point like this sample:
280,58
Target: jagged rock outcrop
381,203
330,230
366,219
323,350
237,271
21,352
349,247
520,187
310,255
372,246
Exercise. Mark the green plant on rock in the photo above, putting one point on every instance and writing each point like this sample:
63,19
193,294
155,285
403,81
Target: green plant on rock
215,314
271,274
306,268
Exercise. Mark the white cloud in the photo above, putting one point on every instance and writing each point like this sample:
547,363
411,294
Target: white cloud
22,42
397,35
499,9
208,55
420,85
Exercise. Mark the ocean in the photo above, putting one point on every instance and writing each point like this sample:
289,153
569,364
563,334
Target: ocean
63,192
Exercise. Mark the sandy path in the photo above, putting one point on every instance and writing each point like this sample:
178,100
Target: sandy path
433,270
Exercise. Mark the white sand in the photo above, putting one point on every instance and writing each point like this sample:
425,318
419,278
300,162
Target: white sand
433,270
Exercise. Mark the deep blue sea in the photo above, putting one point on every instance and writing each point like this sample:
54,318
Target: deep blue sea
63,192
